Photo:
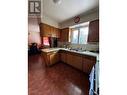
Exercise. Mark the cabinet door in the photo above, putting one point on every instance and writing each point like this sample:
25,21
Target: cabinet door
93,35
57,33
53,32
63,57
45,30
75,61
54,58
88,63
41,29
64,35
49,31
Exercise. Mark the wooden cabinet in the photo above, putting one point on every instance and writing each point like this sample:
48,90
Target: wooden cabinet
54,58
51,58
74,60
93,35
88,63
63,57
49,31
64,35
45,30
81,62
57,32
52,29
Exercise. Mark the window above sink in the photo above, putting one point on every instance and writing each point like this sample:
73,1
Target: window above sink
79,34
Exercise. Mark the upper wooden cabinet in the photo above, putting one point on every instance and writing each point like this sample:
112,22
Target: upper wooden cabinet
45,30
52,30
55,32
49,31
64,35
93,31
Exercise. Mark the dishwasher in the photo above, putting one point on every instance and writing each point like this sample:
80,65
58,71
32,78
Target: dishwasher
94,80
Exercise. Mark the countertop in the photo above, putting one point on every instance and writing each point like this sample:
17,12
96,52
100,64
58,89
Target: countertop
48,50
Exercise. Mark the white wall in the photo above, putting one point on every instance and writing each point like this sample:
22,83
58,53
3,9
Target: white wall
83,18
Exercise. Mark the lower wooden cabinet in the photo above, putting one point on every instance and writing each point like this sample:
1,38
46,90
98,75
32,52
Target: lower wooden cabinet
63,57
81,62
88,63
51,58
54,58
74,60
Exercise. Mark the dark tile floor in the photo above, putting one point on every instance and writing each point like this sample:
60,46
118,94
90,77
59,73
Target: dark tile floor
60,79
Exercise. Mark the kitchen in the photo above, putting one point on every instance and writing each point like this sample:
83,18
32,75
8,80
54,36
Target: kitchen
64,46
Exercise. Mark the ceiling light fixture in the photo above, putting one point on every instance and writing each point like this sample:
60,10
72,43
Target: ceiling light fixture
57,1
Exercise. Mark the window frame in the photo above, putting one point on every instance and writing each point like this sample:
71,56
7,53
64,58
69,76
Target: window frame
78,28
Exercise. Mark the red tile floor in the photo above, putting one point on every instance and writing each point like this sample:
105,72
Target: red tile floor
60,79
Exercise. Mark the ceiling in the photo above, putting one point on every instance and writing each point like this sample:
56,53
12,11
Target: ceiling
68,8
